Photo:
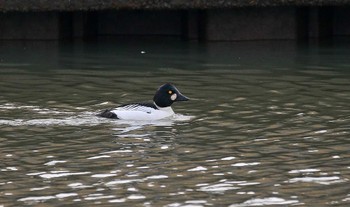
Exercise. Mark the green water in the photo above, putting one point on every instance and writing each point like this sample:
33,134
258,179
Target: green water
268,124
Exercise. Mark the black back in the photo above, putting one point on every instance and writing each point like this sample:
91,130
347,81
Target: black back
108,114
132,105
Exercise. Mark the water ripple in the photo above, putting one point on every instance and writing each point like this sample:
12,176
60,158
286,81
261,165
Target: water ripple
265,202
57,174
320,180
252,134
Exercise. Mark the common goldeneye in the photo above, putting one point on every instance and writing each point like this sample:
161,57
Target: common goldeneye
166,95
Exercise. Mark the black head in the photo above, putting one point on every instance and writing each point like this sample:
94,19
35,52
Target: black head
167,94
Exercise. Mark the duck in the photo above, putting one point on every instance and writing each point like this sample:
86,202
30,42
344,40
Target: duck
160,108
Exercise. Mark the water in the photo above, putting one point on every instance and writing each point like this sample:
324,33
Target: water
268,124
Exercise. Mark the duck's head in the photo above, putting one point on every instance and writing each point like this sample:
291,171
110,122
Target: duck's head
167,94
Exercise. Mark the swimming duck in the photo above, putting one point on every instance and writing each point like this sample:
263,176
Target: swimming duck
160,108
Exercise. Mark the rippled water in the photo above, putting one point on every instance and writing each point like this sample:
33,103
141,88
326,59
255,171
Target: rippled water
268,124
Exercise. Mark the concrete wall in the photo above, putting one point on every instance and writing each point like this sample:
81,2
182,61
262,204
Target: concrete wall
29,25
251,24
248,23
341,19
140,22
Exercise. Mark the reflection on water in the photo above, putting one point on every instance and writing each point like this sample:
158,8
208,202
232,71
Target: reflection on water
267,124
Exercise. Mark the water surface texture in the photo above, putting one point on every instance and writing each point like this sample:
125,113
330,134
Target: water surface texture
268,124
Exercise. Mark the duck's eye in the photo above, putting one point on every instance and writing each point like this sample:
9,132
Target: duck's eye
170,92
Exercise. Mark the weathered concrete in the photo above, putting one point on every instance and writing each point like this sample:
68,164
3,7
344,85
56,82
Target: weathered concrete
139,22
88,5
341,21
215,24
29,25
251,24
320,22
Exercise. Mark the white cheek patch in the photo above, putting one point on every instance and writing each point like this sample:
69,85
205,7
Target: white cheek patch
173,97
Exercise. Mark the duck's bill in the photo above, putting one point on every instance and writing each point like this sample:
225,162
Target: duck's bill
181,97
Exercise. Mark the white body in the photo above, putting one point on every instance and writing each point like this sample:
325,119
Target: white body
137,112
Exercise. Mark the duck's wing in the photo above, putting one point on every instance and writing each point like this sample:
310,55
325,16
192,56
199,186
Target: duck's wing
135,110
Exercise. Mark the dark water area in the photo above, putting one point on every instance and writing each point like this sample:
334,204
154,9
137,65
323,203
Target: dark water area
268,124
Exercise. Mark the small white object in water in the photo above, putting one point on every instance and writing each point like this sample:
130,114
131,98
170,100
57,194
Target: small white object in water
54,162
228,158
199,168
135,197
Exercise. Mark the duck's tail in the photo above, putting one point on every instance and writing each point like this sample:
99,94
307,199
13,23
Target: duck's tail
108,114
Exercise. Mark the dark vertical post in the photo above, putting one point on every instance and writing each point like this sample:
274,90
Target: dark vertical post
90,25
185,25
202,25
302,23
325,22
190,21
65,25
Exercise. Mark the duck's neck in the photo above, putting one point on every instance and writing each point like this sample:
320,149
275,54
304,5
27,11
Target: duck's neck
167,109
